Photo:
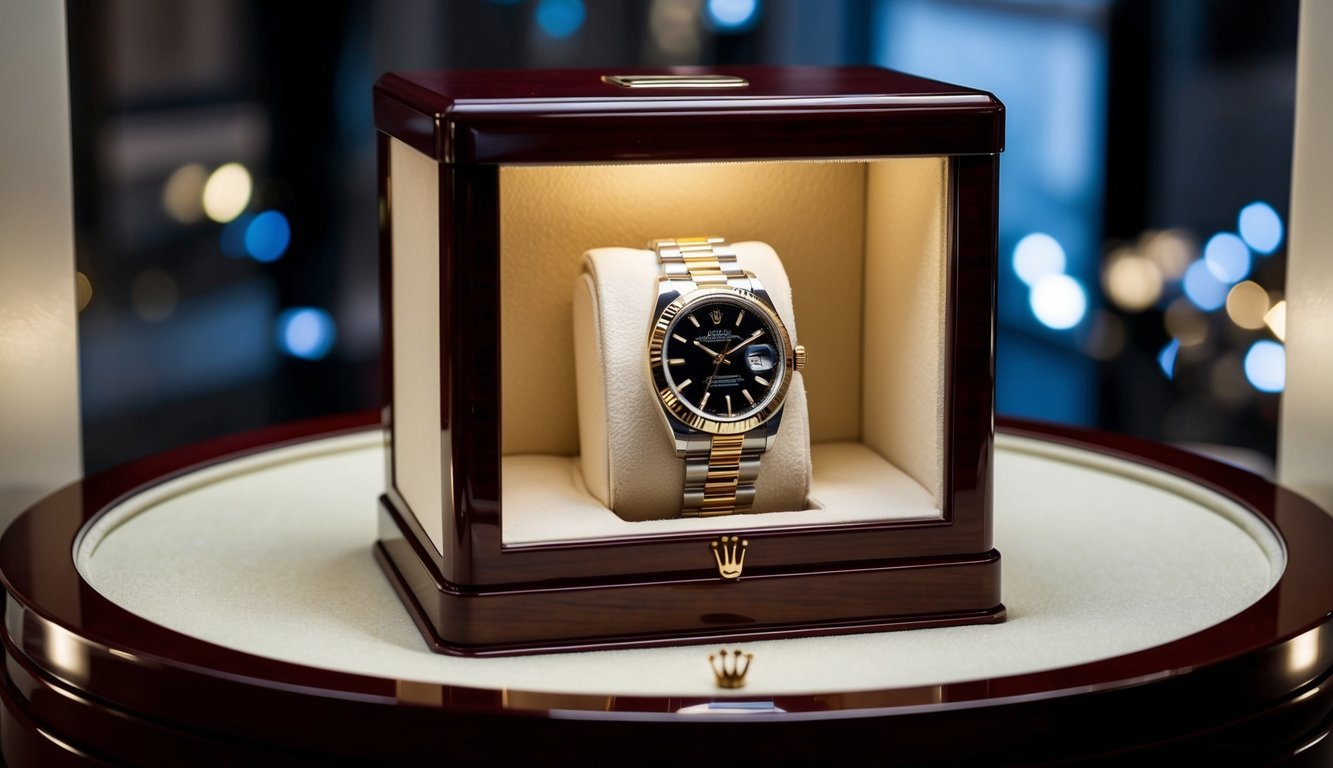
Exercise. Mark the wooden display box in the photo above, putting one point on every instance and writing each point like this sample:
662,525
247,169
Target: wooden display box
877,189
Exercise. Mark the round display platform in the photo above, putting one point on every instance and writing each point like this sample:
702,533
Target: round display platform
224,599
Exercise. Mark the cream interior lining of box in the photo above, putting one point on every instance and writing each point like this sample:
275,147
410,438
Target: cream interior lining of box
864,244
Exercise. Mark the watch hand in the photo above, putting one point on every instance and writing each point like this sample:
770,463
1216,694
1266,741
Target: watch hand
753,336
717,358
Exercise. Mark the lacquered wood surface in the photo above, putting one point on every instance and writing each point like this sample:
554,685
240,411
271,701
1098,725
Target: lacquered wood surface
88,681
570,116
472,122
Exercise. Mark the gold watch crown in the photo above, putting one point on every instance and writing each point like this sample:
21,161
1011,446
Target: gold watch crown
798,357
730,669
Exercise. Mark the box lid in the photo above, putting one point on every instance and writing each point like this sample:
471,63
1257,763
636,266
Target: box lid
580,115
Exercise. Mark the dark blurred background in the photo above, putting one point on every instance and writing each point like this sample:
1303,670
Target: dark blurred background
226,213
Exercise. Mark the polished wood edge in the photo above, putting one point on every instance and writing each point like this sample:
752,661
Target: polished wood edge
575,615
439,644
475,124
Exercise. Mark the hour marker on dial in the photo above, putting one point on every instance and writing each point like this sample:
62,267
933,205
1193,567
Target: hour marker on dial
704,402
762,381
692,320
748,399
676,361
728,405
740,316
680,338
685,383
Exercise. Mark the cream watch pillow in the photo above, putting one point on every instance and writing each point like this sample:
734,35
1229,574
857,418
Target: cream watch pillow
628,457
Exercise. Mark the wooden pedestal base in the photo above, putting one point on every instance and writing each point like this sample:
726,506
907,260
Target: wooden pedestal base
876,596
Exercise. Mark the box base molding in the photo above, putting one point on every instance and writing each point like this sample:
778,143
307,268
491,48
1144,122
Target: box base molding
871,597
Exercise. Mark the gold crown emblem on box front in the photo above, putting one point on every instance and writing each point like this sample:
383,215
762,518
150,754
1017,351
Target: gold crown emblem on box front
729,667
729,552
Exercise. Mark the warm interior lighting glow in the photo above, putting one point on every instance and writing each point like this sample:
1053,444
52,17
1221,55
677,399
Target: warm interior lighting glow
1276,320
1247,303
1132,282
227,192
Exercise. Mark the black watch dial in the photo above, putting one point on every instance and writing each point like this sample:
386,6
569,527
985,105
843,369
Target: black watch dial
724,359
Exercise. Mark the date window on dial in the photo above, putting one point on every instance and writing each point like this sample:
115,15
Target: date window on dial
759,357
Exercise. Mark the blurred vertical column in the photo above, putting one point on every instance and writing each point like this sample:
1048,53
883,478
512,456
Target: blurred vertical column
1306,433
39,383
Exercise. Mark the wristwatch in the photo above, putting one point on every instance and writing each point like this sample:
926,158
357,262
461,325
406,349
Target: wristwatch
721,361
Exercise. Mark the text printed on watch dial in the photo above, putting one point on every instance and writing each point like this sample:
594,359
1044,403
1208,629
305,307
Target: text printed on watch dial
723,359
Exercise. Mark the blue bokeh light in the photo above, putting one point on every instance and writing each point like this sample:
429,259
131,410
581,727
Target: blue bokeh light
1166,359
560,18
1260,227
731,15
306,332
267,236
1037,255
1266,366
1227,257
1203,288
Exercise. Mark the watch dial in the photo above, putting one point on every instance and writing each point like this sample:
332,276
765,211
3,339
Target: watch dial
723,359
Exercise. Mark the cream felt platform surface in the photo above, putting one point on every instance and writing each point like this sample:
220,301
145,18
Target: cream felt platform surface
271,554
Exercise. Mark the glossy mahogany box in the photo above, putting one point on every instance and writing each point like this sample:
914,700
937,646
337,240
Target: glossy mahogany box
477,167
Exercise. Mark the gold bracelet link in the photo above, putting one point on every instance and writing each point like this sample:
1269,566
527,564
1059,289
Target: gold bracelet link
700,261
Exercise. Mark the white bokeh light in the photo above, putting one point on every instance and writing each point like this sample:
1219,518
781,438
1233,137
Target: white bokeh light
1058,301
227,192
1038,255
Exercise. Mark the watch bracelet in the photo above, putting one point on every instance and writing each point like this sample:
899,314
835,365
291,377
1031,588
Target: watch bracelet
720,470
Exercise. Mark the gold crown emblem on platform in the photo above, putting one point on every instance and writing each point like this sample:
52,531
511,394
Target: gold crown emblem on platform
716,315
729,667
725,551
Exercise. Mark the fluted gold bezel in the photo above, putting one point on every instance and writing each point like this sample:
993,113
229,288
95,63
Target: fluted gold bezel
668,398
